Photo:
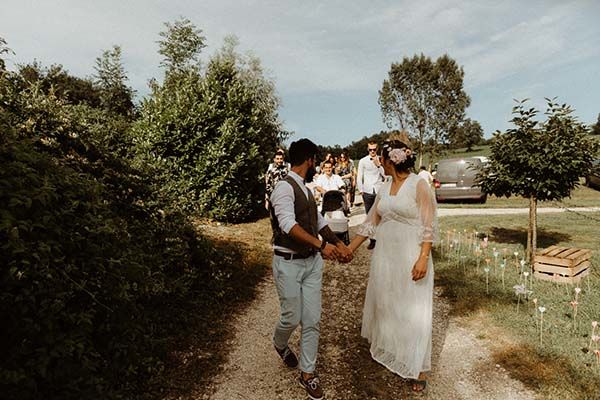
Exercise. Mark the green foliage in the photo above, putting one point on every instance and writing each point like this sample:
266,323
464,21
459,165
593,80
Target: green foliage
541,160
88,250
115,95
56,80
3,50
596,127
467,134
425,98
181,45
209,136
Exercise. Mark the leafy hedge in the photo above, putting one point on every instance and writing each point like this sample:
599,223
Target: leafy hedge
87,251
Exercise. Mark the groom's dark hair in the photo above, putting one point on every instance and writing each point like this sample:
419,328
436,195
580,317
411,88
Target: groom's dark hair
301,151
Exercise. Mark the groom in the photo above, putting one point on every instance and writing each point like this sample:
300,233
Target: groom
298,262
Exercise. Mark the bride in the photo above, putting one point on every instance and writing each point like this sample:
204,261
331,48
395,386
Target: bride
397,313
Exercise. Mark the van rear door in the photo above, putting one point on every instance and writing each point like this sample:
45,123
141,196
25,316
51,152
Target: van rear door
469,172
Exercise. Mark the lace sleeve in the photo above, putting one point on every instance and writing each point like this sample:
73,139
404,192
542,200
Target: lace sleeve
427,208
368,227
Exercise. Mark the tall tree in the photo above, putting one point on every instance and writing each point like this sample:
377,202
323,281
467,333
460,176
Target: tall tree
596,127
181,45
110,78
538,160
425,98
210,133
467,134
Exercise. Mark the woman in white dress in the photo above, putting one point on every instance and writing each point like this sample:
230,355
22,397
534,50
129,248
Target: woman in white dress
397,314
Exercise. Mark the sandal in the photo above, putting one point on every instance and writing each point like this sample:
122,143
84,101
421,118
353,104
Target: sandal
419,385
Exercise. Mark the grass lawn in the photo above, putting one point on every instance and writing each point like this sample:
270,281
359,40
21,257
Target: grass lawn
564,365
580,197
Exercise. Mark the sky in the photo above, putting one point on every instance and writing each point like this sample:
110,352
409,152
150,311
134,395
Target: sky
328,59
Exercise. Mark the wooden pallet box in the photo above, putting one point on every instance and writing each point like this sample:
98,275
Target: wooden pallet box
562,264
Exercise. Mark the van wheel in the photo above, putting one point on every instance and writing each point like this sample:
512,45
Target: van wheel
483,199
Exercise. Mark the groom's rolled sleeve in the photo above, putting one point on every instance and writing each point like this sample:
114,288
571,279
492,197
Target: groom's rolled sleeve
282,200
321,223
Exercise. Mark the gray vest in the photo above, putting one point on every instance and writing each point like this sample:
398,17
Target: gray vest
306,216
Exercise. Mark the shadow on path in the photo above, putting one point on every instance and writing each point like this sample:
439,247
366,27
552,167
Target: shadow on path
200,331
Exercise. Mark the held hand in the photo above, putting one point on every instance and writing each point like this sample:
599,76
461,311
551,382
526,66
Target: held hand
345,253
330,252
419,269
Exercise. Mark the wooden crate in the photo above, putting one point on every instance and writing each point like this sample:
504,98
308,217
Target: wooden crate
562,264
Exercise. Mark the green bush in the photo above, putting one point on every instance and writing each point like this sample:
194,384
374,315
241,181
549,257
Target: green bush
87,249
210,136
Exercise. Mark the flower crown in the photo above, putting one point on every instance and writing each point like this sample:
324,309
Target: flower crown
398,155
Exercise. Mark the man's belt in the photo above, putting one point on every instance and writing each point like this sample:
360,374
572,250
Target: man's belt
296,256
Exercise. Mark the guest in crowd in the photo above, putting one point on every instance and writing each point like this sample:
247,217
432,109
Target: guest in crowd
345,169
276,171
328,180
369,179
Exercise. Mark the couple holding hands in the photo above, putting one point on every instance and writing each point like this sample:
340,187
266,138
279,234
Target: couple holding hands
397,313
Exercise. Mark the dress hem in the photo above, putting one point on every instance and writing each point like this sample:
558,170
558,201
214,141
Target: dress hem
395,372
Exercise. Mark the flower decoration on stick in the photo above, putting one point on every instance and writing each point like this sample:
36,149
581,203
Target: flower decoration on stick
496,254
519,291
574,304
487,280
542,311
594,326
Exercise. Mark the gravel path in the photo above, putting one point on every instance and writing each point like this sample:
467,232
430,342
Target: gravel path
462,364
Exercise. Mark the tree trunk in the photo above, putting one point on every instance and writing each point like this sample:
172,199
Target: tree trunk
532,231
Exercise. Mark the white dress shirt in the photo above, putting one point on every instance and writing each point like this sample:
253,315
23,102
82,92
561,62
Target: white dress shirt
369,177
282,200
333,182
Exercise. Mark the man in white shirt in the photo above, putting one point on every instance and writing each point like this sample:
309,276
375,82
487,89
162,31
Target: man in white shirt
423,173
369,179
328,180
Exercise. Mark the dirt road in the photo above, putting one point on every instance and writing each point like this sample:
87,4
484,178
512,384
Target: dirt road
462,365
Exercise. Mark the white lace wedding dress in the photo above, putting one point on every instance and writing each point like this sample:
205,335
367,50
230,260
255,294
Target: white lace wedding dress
397,314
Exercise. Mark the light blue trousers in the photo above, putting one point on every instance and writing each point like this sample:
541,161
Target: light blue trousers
298,285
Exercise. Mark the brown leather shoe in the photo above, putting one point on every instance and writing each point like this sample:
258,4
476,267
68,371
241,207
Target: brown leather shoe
312,386
288,357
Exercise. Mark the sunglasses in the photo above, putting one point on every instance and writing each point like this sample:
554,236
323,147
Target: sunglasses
372,149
